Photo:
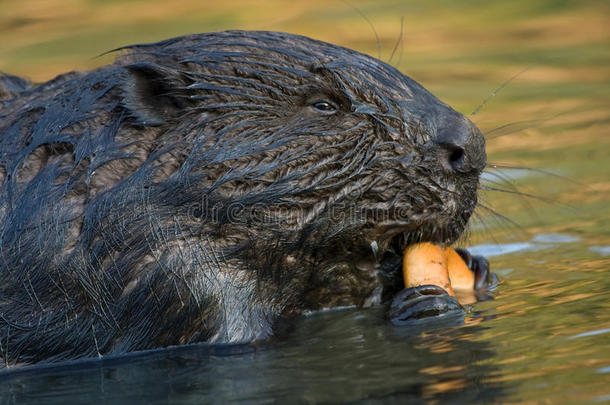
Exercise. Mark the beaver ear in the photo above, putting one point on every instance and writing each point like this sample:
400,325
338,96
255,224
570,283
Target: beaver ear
153,94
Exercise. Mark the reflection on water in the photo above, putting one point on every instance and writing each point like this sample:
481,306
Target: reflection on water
544,338
538,242
537,337
347,355
601,250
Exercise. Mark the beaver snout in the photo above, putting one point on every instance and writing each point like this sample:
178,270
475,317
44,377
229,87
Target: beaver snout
463,145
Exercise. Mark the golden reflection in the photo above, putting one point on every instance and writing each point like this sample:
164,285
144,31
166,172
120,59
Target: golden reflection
435,370
554,117
470,321
573,297
513,376
465,297
431,390
437,347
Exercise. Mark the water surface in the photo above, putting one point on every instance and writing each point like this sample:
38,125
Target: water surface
546,335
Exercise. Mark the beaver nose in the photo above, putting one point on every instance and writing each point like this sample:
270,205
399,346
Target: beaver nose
462,145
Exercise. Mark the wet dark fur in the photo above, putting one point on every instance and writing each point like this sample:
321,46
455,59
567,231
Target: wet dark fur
197,190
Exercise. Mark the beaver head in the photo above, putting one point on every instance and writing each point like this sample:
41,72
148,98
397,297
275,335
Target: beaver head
332,149
314,128
200,188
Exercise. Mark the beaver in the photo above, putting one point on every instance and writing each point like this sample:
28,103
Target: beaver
212,187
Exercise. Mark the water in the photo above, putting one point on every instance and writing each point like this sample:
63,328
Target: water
546,335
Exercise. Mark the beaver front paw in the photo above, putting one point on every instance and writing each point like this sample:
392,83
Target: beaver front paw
422,302
484,280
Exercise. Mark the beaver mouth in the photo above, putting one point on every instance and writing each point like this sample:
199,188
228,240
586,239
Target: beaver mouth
399,235
404,226
395,240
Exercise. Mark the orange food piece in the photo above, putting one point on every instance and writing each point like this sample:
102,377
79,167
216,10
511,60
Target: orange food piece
427,263
462,278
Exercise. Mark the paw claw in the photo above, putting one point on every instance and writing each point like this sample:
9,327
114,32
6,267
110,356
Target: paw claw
484,279
422,302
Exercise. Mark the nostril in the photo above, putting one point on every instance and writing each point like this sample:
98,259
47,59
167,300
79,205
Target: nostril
457,157
461,147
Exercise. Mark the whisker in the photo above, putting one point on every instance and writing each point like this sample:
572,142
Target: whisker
498,89
486,225
513,127
518,126
370,25
530,169
479,219
398,41
506,181
497,216
502,180
519,193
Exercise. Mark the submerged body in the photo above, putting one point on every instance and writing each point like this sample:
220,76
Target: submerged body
209,187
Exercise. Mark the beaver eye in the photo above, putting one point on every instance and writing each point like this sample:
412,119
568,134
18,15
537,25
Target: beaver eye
324,106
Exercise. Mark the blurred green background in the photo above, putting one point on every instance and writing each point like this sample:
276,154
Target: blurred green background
553,117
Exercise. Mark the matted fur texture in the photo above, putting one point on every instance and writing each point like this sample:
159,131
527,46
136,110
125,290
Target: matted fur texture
204,188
